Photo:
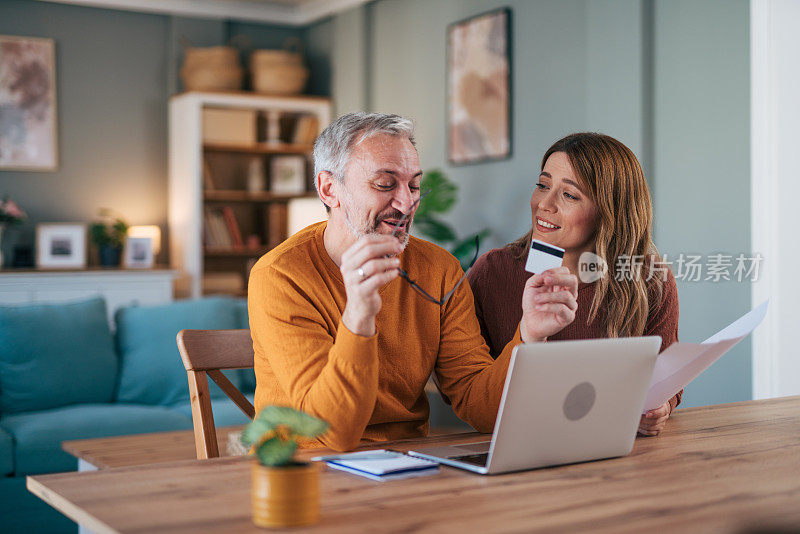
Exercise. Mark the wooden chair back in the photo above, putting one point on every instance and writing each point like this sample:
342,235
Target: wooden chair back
205,353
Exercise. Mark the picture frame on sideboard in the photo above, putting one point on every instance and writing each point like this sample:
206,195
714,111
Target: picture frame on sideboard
138,253
61,246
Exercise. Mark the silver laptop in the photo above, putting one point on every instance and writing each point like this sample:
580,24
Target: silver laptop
563,402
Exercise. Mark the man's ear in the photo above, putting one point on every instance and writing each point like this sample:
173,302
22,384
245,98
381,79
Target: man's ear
328,187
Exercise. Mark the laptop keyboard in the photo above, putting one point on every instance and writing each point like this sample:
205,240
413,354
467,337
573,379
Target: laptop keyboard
474,459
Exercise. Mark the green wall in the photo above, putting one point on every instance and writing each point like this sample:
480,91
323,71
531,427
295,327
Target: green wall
668,78
702,169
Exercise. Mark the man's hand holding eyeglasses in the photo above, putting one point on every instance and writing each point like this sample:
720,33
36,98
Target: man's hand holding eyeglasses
365,270
549,302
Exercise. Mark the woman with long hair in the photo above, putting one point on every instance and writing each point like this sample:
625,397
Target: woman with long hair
592,200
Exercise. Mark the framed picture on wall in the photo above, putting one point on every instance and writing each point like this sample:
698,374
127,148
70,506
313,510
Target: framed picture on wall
60,246
479,88
28,103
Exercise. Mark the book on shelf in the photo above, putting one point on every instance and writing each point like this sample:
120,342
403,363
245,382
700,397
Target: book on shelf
305,130
225,239
209,239
217,233
232,226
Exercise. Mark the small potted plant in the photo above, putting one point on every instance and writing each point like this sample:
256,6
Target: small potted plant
108,234
285,491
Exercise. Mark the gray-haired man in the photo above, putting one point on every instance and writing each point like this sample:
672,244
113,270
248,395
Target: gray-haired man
337,335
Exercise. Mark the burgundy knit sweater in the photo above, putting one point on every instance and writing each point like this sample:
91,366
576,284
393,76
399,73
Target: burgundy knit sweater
498,279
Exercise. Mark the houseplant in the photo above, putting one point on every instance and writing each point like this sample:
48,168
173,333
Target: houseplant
10,213
440,200
285,492
108,234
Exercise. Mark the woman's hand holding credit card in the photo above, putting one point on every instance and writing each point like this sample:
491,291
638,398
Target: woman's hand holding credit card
549,300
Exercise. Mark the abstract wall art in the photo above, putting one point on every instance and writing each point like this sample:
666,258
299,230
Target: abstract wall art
479,88
27,104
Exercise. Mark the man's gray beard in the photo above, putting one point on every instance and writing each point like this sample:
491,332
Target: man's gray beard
366,228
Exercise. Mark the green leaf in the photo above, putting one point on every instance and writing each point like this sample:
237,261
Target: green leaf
120,228
270,448
298,423
434,229
108,230
275,452
254,432
442,195
97,232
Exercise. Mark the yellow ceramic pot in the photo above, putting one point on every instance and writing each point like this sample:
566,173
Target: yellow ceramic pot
285,496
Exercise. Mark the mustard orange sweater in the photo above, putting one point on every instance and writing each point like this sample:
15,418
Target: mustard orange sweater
368,388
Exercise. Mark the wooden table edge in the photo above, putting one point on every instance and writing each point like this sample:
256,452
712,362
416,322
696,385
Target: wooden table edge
74,447
73,512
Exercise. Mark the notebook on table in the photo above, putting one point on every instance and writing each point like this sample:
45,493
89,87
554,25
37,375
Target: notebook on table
382,465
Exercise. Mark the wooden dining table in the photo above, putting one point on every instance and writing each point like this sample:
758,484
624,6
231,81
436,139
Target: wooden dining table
726,468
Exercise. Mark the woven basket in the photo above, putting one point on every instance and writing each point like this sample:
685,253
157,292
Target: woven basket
213,56
281,80
213,68
279,72
212,78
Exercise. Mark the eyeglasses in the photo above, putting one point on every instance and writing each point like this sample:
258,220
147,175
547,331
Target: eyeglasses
414,285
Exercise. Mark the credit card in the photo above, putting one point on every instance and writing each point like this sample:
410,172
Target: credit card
543,256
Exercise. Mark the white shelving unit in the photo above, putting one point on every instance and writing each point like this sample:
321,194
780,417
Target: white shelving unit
187,197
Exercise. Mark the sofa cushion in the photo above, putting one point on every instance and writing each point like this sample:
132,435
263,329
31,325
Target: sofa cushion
151,369
6,453
38,436
226,413
55,354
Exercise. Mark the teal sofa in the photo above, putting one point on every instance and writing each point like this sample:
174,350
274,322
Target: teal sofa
65,375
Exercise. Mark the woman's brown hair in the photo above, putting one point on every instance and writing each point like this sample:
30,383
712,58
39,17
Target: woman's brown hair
615,182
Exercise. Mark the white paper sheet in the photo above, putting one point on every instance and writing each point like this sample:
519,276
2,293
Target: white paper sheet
742,326
681,363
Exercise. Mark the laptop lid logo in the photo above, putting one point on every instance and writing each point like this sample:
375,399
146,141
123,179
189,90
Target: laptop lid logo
579,401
